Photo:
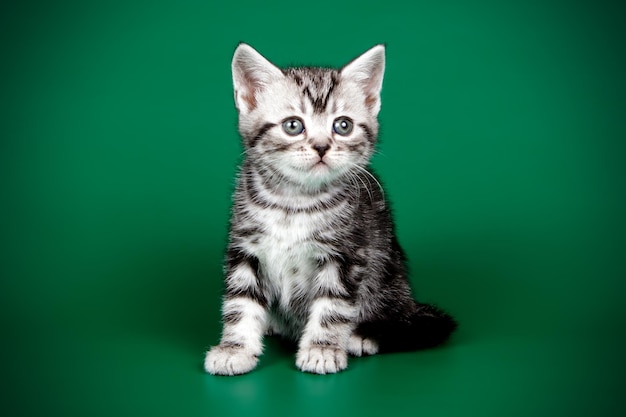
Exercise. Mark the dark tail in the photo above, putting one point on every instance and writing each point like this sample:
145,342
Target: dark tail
424,328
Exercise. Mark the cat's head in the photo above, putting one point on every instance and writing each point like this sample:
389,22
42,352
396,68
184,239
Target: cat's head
311,126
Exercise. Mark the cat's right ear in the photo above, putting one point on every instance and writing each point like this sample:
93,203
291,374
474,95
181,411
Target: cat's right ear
251,74
367,71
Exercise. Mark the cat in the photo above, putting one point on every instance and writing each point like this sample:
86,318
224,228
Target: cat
312,253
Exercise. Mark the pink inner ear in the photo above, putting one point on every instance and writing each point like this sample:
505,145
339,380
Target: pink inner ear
371,90
250,100
370,100
250,87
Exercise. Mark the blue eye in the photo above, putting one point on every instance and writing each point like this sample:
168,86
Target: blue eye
342,126
293,127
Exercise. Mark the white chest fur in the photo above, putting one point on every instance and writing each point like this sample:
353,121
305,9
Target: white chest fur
287,251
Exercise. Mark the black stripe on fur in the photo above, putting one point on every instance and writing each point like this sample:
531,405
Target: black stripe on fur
260,133
255,292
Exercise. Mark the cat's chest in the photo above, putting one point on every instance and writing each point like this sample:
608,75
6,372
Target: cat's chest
288,242
288,250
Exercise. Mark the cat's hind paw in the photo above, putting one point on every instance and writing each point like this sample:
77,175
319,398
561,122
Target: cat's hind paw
321,359
227,360
361,346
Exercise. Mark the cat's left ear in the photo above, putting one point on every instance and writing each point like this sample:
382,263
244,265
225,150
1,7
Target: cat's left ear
252,73
367,70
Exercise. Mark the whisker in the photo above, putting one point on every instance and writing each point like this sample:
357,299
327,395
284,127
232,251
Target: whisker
369,175
369,193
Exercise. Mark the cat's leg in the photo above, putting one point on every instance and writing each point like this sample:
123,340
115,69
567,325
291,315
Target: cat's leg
361,346
245,321
324,342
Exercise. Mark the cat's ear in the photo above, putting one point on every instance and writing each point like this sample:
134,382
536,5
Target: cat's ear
251,73
367,70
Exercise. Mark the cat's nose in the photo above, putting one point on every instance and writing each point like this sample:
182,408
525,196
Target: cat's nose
321,149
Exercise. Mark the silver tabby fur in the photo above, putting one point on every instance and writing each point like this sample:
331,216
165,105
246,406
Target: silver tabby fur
312,254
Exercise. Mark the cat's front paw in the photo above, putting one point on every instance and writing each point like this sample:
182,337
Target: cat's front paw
321,359
227,360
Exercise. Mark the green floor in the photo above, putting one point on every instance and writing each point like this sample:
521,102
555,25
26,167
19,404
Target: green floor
503,151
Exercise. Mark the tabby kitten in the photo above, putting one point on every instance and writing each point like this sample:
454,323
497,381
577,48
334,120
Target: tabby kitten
312,254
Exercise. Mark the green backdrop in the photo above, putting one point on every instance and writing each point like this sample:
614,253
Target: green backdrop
502,150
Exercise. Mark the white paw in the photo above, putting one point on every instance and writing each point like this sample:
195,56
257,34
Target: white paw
321,359
229,361
359,346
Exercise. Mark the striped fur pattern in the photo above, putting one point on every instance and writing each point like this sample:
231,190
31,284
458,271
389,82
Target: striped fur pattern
312,254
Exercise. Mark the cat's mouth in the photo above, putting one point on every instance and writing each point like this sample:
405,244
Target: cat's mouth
320,166
316,170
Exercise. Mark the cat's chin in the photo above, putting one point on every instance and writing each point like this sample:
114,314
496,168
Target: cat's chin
315,176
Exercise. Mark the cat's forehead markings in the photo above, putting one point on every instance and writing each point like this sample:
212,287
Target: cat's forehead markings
316,85
334,108
293,74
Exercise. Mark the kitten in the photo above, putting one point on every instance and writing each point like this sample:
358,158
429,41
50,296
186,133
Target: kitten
312,254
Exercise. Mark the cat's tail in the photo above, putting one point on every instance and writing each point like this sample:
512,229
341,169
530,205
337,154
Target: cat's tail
425,327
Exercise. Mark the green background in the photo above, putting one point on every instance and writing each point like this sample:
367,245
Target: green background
502,150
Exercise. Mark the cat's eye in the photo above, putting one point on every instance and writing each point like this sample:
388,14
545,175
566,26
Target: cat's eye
342,126
293,126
